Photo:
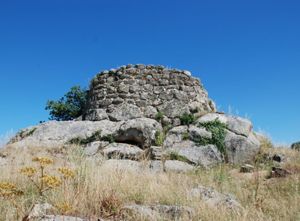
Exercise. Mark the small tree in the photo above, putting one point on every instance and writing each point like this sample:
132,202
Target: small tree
70,106
296,146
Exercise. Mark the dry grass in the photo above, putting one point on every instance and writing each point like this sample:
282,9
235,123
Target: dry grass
98,191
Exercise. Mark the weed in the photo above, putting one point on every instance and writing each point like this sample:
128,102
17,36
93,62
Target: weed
186,136
176,156
159,116
110,205
160,137
96,136
109,138
187,119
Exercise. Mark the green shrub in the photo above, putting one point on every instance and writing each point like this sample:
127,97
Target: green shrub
218,130
69,107
159,116
296,146
187,119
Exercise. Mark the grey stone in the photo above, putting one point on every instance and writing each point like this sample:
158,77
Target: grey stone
173,109
61,218
138,131
241,149
93,147
39,210
59,133
156,166
196,133
159,212
177,166
96,115
123,88
125,112
155,152
122,151
150,112
175,135
204,156
215,199
166,121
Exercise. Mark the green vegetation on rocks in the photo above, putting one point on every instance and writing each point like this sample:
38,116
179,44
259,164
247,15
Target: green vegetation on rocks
94,137
187,119
176,156
218,130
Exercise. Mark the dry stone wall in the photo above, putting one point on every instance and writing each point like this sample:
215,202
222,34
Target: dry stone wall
135,91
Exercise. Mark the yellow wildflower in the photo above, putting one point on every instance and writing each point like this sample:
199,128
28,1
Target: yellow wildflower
9,190
28,171
66,172
51,181
43,161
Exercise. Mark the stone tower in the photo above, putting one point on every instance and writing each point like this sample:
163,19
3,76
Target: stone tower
135,91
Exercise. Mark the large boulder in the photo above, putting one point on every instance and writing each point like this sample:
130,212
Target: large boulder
58,133
204,156
241,144
140,132
122,151
241,149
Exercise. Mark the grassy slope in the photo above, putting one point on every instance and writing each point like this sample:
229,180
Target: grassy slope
97,191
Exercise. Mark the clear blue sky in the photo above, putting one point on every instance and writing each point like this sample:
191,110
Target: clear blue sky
247,53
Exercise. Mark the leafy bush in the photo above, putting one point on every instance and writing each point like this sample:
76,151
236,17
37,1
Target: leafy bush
187,119
296,146
70,106
217,129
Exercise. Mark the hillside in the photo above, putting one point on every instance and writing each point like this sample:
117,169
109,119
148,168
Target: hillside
150,145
